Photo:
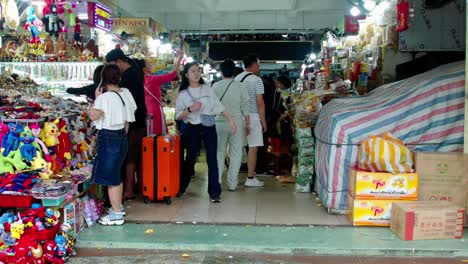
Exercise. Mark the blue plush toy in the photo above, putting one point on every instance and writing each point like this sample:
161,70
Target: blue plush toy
28,151
10,141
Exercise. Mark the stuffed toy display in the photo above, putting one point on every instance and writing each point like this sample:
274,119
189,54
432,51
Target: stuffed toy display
3,130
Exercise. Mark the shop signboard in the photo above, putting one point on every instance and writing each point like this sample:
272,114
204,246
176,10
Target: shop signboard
132,25
352,24
99,17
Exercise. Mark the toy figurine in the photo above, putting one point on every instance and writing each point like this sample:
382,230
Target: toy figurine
34,25
37,254
36,132
40,164
63,149
3,131
21,252
10,141
17,229
61,46
77,31
52,21
50,133
27,150
49,252
61,251
50,48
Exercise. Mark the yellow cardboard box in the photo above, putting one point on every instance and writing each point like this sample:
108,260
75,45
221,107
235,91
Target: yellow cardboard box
382,186
369,212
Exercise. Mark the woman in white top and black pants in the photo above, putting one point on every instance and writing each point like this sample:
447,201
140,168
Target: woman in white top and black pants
197,106
113,110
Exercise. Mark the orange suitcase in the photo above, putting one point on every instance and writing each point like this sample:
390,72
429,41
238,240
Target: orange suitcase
161,163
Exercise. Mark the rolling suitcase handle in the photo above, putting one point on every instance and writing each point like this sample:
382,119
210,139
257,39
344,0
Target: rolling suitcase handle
149,125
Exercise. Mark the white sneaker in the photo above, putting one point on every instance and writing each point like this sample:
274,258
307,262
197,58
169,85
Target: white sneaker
122,210
112,218
253,183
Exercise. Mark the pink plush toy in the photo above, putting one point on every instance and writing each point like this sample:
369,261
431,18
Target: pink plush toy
3,130
36,131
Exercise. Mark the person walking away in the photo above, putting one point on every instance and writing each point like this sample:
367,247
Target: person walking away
197,106
257,114
112,112
235,98
133,79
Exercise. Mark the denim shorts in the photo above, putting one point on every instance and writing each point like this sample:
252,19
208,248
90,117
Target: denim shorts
112,147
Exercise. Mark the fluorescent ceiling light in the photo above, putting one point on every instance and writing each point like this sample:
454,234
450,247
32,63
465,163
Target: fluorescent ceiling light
369,4
284,62
355,11
313,56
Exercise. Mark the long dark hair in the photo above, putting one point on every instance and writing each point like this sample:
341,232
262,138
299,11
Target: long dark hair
185,81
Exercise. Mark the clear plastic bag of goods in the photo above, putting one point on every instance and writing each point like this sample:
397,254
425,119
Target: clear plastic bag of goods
306,152
305,170
306,142
306,161
303,132
385,153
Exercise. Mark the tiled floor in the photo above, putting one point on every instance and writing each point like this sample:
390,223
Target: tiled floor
275,203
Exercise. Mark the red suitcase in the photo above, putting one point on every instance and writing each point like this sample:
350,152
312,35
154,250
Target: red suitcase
161,167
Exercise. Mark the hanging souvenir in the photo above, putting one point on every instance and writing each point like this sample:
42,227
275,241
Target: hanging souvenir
34,25
402,14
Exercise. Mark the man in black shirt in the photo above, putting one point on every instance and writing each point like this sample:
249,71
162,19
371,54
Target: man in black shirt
89,90
134,80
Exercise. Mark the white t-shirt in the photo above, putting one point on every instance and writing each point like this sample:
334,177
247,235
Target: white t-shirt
115,113
255,86
210,104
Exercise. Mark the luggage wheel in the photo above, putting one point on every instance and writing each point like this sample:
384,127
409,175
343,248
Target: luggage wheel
168,200
146,200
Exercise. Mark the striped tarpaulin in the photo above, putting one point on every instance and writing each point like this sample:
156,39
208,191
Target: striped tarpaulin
426,112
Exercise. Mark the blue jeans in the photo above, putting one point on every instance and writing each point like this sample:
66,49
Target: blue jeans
112,147
191,137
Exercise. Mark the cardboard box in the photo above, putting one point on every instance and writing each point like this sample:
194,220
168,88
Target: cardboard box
369,212
442,176
376,185
427,220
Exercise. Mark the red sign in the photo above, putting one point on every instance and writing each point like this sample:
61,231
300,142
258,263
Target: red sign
99,16
352,24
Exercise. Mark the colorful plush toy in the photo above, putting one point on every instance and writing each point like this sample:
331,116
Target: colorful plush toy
63,149
3,130
34,25
41,164
39,144
27,150
10,141
6,164
37,254
49,252
50,133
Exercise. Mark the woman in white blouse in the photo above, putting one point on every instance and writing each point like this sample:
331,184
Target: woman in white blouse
113,109
197,106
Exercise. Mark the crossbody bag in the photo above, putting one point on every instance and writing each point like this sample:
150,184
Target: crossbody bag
206,120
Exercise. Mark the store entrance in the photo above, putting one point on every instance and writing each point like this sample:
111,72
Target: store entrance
273,204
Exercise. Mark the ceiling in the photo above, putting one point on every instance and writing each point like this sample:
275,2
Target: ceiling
239,15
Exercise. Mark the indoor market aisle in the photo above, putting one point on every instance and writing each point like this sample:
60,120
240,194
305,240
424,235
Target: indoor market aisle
275,203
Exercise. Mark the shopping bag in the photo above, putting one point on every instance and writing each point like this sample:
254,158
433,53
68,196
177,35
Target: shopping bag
385,153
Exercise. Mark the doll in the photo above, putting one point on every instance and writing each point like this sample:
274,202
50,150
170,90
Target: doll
50,48
40,164
27,150
37,254
39,144
34,25
50,133
49,252
63,149
3,130
10,141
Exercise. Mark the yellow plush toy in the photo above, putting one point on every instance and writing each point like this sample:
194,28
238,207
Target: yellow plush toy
50,133
39,163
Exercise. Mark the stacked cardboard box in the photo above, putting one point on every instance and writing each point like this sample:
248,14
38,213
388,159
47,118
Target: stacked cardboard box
371,194
443,177
427,220
306,159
